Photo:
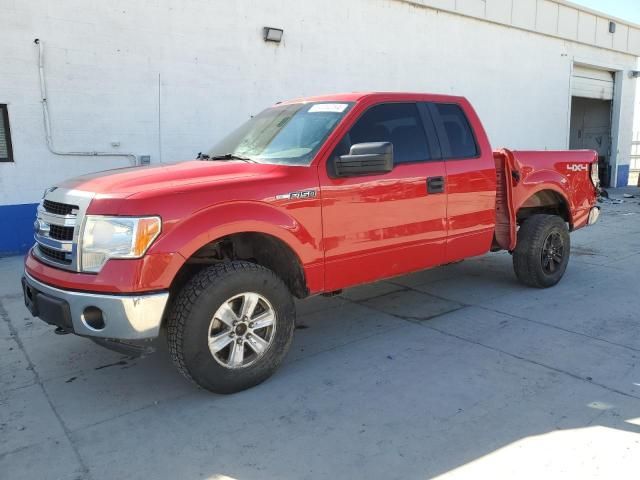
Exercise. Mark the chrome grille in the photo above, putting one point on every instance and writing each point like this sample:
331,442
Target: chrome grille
58,208
54,255
61,233
57,227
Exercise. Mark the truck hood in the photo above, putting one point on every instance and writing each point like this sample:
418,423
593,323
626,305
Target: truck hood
124,182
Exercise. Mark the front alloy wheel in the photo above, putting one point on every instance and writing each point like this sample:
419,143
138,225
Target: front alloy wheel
231,326
242,330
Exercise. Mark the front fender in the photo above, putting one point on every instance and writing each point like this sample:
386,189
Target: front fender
190,234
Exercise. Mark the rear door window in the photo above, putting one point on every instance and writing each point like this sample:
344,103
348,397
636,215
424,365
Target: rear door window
456,137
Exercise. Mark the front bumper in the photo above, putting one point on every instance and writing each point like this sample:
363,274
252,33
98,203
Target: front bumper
124,317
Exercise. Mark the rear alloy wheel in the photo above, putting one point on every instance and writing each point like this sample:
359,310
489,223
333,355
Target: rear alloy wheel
542,251
552,255
231,326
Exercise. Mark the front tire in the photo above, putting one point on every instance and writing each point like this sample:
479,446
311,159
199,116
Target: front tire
231,326
542,251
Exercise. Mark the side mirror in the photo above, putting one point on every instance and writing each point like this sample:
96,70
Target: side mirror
365,159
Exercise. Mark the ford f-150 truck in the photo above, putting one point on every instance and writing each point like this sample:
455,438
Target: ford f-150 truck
309,197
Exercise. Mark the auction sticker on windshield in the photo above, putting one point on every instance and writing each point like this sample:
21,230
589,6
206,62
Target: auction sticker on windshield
329,107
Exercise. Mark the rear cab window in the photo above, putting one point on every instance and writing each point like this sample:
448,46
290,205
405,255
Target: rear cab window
454,131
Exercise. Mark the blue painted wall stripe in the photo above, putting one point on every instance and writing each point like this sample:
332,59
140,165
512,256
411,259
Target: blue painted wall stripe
623,176
16,225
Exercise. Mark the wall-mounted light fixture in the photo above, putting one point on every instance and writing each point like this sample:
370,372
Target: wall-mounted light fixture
271,34
612,27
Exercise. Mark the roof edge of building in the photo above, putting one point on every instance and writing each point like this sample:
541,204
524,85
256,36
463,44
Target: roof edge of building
631,49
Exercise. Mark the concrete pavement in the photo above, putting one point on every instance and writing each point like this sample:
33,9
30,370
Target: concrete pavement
457,372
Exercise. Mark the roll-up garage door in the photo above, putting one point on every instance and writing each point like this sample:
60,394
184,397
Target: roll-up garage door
592,83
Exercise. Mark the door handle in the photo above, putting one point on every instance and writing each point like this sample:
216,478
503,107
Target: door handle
435,185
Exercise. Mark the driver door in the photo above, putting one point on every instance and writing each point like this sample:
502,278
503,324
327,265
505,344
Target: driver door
383,225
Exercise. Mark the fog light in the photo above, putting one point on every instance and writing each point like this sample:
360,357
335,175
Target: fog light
92,318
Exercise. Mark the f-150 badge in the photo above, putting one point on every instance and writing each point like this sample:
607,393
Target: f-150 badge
304,194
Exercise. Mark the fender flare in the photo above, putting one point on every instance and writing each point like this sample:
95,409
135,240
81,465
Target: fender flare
546,180
188,236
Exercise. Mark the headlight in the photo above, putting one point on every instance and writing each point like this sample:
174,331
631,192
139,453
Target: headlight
116,237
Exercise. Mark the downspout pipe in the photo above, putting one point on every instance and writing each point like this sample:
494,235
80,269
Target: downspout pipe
47,121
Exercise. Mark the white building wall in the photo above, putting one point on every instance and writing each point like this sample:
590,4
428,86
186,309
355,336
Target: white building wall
168,78
634,176
636,111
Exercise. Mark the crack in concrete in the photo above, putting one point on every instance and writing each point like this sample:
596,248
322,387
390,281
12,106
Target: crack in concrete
550,325
14,333
31,445
534,362
562,329
412,319
350,342
504,352
402,288
439,297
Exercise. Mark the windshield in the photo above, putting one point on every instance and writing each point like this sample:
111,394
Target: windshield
290,134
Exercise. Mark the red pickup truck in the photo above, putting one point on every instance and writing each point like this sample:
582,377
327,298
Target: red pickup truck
308,197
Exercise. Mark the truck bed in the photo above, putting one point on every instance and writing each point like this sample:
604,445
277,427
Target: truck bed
566,174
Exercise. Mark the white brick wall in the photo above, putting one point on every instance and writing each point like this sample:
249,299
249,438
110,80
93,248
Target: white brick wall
103,60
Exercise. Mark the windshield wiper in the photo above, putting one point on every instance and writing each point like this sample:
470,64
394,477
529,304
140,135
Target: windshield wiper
226,156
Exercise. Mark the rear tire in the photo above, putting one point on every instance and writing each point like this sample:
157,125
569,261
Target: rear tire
231,326
542,251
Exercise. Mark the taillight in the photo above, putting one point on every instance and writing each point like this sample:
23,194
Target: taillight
595,178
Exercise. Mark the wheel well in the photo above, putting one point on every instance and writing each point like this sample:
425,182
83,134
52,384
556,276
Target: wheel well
259,248
544,201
